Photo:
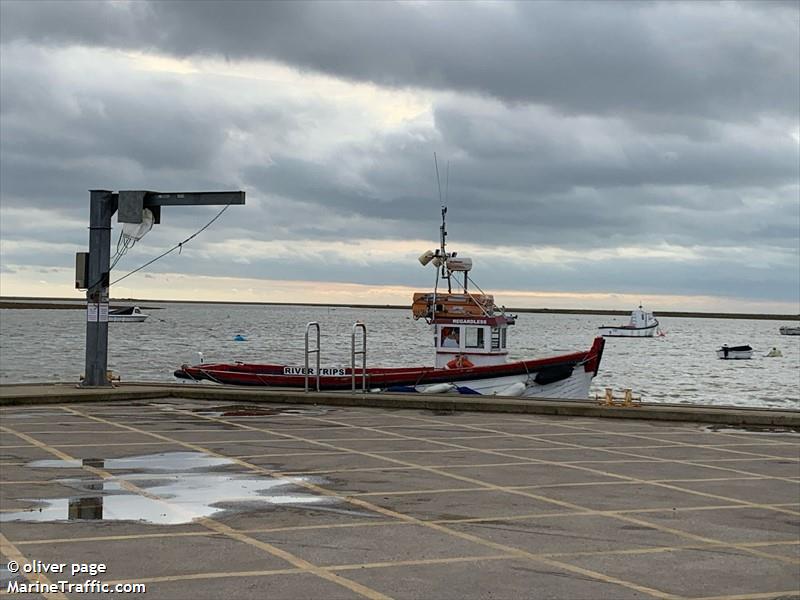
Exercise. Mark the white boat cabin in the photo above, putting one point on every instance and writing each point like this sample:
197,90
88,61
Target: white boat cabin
475,342
640,318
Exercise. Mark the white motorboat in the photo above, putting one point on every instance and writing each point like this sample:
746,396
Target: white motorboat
641,324
734,352
790,330
128,314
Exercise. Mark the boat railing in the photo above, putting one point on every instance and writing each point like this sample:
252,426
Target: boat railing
358,325
468,278
315,350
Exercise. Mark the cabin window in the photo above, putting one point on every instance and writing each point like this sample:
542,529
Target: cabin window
495,338
503,338
450,338
474,337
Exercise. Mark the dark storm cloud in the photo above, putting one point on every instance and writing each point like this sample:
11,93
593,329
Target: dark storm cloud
676,58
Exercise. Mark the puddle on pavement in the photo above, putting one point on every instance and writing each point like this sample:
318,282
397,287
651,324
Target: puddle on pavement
241,410
177,488
793,431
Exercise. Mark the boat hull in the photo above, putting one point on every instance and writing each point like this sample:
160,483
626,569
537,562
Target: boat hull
567,377
126,318
628,331
789,330
735,353
129,314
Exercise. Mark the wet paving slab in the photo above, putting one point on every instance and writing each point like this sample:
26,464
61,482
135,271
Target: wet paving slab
709,571
346,546
216,499
749,490
499,578
571,534
530,474
254,587
735,524
775,468
662,470
630,496
117,448
465,505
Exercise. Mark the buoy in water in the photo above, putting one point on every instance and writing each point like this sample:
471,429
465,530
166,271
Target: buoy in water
239,338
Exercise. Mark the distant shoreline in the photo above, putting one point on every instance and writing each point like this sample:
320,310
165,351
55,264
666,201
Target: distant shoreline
74,304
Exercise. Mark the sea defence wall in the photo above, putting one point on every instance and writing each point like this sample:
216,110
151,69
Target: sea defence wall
34,394
11,303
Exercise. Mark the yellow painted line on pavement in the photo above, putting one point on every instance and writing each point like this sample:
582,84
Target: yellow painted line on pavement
218,527
626,518
10,552
635,479
215,575
503,548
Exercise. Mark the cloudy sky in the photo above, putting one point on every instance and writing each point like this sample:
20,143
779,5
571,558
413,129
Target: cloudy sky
600,152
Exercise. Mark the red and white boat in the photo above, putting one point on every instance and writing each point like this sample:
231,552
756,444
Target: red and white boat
470,345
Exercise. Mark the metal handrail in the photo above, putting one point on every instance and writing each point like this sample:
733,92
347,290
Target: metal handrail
363,352
315,351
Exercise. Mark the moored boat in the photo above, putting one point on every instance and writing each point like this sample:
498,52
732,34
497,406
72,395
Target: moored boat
790,330
128,314
735,352
641,324
470,336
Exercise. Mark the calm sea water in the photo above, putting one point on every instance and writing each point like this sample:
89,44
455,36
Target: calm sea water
681,367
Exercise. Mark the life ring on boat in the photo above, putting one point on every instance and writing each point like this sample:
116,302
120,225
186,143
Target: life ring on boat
460,362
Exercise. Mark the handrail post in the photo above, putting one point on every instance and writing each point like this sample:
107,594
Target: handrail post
315,325
363,352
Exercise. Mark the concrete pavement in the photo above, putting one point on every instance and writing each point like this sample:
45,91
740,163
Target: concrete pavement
244,498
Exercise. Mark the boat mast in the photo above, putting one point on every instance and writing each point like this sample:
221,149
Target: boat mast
443,227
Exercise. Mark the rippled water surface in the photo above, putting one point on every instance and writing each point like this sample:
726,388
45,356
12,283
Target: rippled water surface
49,345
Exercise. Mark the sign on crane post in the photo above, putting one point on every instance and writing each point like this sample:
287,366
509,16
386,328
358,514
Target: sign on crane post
130,205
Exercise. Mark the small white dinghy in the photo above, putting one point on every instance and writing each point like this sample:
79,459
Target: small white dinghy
128,314
734,352
790,330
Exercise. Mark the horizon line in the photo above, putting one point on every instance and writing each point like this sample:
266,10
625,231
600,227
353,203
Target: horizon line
530,310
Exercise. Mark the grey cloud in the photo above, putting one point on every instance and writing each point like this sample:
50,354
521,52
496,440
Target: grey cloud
609,57
620,125
723,192
726,277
